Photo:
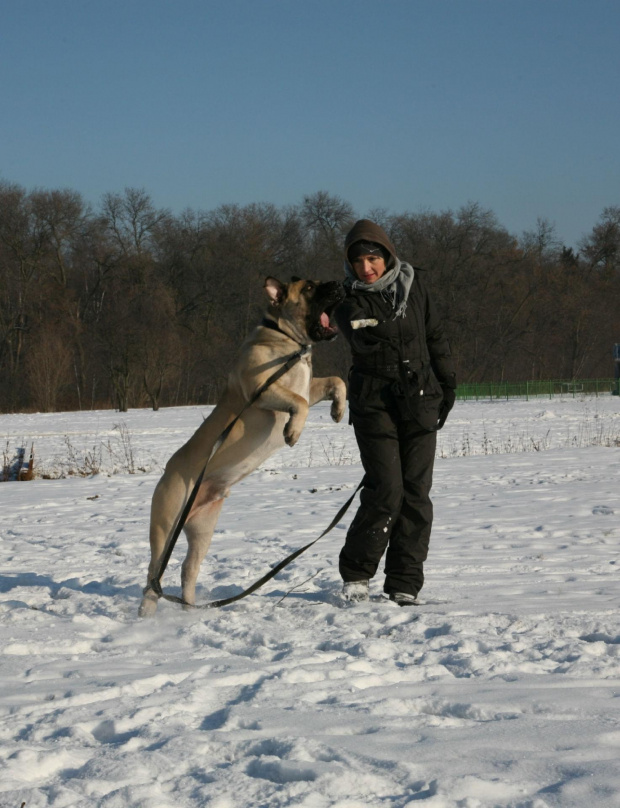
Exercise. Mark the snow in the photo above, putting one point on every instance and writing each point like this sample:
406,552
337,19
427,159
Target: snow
501,689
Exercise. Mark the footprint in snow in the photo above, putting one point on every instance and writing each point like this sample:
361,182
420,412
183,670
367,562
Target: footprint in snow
602,510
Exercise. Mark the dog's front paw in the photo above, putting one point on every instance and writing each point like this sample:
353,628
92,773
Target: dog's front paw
291,436
293,428
339,400
337,409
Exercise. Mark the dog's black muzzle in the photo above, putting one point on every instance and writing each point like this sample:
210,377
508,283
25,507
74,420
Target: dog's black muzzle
328,295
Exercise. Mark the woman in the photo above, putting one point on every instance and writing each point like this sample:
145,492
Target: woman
401,388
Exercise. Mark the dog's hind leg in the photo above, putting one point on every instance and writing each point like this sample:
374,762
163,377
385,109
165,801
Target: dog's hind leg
165,507
199,531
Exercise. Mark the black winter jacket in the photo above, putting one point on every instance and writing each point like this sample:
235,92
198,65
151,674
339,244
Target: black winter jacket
402,363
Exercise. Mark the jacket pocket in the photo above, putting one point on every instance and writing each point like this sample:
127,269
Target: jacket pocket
430,398
431,391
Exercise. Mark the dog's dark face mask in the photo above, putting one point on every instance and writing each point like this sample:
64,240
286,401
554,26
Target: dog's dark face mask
308,305
322,299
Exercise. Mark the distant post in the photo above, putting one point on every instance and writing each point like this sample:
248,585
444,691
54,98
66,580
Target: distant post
616,391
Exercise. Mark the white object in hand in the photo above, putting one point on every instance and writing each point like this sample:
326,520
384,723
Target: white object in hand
355,324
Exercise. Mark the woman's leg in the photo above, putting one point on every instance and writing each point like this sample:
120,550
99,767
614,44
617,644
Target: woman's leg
408,547
380,499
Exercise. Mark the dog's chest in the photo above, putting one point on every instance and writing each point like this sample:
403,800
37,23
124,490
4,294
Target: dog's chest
303,377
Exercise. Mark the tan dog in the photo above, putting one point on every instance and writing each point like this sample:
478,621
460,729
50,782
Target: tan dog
299,314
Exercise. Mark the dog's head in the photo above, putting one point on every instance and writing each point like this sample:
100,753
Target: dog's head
308,305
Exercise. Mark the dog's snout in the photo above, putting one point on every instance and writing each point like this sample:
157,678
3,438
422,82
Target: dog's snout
334,290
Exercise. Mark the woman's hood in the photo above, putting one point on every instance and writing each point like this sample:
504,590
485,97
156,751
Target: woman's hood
365,230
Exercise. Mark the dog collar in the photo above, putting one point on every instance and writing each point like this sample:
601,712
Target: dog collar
275,327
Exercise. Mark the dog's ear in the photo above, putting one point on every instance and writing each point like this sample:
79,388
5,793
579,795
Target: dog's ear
294,279
276,290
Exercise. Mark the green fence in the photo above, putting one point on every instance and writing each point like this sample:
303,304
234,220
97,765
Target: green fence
536,389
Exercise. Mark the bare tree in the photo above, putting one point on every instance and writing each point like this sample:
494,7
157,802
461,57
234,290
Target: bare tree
161,349
131,218
601,248
327,218
542,242
48,367
61,215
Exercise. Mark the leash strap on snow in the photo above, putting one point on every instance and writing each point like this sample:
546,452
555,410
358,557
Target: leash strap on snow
215,604
155,582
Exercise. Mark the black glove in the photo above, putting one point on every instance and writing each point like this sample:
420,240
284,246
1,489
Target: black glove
449,397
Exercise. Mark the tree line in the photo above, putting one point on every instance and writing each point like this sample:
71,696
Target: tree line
126,305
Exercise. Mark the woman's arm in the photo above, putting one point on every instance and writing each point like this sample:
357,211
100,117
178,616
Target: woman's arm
438,346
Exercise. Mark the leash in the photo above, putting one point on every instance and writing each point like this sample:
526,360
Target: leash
155,582
215,604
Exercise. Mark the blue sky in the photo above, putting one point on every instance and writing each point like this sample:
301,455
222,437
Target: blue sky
402,104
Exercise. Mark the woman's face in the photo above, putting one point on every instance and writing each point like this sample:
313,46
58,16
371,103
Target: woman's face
369,268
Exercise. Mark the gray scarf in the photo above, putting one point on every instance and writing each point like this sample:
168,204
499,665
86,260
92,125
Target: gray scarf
394,285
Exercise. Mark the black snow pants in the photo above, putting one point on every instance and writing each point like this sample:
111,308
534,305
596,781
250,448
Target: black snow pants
395,507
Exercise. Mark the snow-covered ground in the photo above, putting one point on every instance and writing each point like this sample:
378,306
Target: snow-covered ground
501,689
